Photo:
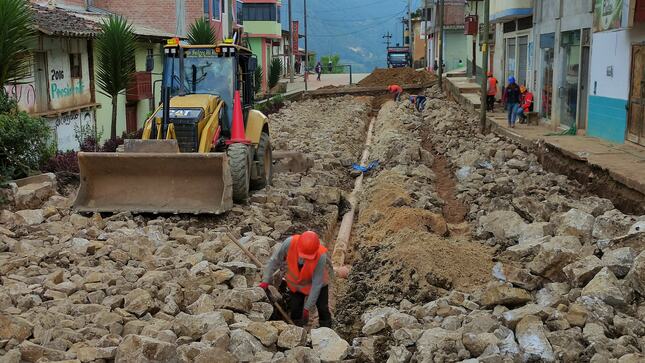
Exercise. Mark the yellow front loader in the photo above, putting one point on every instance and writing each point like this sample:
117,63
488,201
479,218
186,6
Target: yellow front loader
203,148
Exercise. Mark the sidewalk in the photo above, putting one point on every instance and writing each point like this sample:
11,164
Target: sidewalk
326,80
624,163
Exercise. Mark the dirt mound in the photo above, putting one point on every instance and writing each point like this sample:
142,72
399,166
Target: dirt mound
387,76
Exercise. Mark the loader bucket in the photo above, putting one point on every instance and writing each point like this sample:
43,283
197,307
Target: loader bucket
154,183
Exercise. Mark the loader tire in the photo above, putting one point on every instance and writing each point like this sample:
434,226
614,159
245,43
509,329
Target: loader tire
239,163
264,159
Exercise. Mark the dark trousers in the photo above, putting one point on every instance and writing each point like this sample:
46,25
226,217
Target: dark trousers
397,96
491,102
318,79
297,304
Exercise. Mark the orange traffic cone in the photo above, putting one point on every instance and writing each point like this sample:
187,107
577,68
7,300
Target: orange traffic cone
237,128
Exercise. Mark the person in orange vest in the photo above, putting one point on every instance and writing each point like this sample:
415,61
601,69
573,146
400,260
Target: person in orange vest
396,90
526,104
492,91
307,276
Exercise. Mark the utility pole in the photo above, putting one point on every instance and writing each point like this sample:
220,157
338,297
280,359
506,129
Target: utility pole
484,89
440,44
291,45
306,49
425,31
387,38
410,33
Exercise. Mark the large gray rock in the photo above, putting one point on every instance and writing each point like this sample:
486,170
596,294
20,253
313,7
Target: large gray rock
636,276
266,332
399,354
498,293
605,286
197,325
374,325
401,320
502,224
612,224
583,270
14,327
512,317
142,349
235,300
477,343
619,261
328,345
291,337
532,338
574,223
139,302
553,255
436,339
32,216
517,276
244,346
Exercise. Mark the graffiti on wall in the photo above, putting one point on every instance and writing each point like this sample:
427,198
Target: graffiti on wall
66,125
24,94
65,91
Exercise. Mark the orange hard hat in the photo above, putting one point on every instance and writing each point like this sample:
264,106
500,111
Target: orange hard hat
308,245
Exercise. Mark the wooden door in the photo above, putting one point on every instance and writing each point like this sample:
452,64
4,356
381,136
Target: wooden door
131,118
636,113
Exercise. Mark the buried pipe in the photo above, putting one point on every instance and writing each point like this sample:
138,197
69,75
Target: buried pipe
345,229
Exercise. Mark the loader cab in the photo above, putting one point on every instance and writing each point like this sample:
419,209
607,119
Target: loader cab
217,70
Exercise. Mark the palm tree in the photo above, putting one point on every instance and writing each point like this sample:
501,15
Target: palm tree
17,36
115,49
201,32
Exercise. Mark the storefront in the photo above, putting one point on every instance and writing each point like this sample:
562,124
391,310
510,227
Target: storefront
517,49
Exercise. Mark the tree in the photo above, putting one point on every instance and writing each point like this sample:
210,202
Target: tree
257,79
275,71
115,48
335,62
201,32
17,36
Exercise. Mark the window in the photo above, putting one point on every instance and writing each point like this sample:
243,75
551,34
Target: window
206,10
238,12
75,65
216,9
259,12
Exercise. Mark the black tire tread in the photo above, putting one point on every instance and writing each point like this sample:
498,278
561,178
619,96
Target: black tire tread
238,156
262,180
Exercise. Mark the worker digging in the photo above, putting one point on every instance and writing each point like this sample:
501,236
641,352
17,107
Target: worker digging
307,276
347,224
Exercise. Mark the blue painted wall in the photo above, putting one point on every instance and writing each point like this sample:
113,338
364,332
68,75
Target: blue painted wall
607,118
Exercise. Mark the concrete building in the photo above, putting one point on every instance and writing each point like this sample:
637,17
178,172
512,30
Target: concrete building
61,85
454,39
261,22
617,60
561,58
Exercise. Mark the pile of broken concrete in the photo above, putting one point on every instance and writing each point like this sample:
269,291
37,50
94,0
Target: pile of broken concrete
570,272
94,288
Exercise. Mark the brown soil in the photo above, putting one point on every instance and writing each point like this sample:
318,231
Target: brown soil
453,210
461,264
401,76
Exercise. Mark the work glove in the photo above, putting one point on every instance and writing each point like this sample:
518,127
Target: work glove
305,315
264,285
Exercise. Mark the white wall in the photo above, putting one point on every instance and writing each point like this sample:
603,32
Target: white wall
613,49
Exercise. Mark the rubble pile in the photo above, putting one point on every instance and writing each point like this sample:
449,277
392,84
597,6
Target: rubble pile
568,281
401,76
174,288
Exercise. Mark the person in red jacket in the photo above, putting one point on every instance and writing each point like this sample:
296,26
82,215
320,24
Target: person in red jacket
396,90
526,104
307,276
492,92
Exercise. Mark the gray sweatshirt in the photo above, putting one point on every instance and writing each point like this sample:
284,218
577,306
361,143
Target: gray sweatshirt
280,257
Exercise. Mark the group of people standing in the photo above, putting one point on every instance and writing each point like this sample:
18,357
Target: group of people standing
518,100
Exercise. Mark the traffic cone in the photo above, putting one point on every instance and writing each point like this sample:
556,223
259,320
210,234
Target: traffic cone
237,128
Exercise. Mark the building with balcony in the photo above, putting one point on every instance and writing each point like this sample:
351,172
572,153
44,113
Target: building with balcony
454,39
261,22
